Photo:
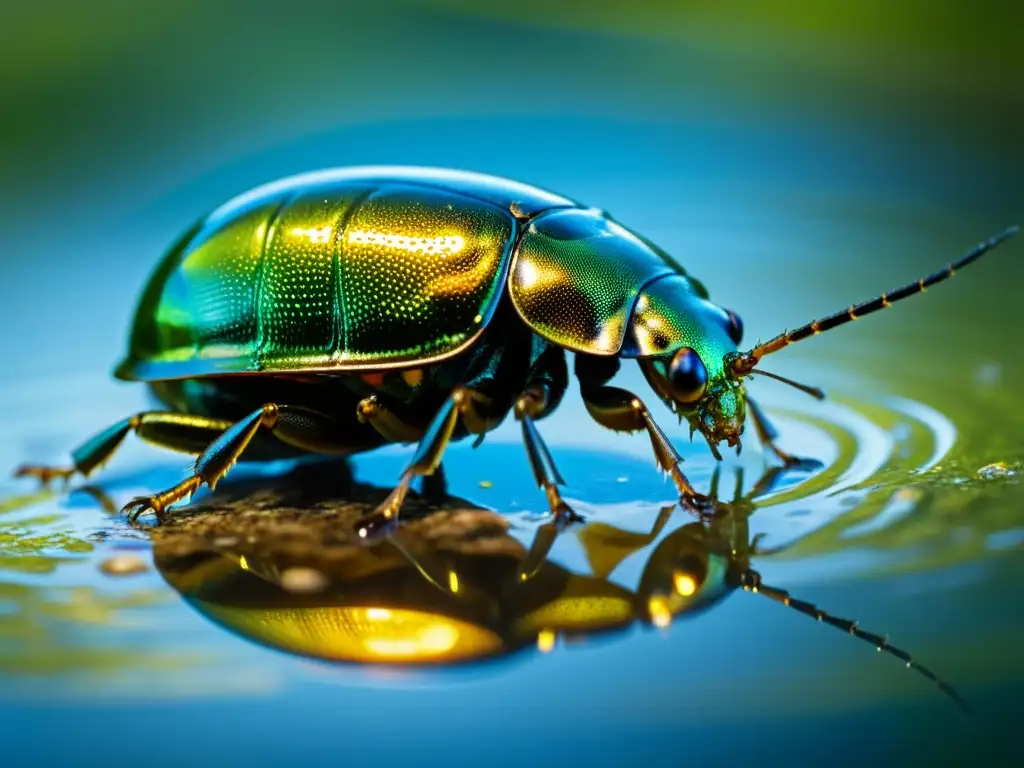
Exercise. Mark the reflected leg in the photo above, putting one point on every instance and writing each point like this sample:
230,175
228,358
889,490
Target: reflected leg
743,506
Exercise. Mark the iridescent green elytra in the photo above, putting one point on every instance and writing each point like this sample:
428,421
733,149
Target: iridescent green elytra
337,311
363,269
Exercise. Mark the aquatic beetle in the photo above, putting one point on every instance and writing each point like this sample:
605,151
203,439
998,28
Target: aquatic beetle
341,310
456,587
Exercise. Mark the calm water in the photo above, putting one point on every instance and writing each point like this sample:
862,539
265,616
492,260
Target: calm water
897,529
910,523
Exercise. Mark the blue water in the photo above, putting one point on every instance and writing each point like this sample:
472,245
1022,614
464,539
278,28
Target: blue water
784,215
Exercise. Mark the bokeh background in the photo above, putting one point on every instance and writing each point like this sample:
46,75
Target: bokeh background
795,155
855,135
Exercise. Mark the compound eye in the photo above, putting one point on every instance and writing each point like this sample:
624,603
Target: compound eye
735,328
687,376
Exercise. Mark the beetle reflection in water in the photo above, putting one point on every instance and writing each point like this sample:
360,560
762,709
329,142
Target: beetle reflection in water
339,311
453,585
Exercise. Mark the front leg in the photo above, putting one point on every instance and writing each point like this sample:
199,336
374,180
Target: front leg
532,404
768,434
622,411
177,431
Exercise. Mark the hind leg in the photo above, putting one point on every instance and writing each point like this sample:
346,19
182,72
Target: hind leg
299,427
176,431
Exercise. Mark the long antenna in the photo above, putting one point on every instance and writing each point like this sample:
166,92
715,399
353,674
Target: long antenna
742,364
752,582
815,392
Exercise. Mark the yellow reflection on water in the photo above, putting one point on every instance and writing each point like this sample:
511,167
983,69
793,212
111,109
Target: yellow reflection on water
430,640
368,634
545,641
684,583
661,615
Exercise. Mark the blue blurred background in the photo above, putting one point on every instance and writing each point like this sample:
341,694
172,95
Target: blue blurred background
795,155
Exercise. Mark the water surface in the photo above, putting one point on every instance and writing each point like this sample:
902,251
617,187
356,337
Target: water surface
786,206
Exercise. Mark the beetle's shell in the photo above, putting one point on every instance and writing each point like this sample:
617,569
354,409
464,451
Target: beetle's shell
341,269
383,267
578,276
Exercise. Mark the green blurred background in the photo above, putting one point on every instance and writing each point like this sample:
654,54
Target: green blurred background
796,156
122,121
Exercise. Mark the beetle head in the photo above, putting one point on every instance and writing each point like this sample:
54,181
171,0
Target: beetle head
695,380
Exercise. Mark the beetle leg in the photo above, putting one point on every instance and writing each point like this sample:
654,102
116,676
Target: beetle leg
296,426
45,473
768,434
766,483
177,431
622,411
158,503
529,406
391,427
426,459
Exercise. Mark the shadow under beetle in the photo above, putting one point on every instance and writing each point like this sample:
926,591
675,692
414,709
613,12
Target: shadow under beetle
342,310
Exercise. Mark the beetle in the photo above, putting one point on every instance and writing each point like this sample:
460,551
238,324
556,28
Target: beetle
341,310
456,587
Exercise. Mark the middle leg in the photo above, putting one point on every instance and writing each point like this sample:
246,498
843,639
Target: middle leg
426,460
543,390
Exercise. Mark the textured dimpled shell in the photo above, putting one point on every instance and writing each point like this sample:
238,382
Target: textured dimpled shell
670,314
219,274
419,270
577,275
332,271
298,287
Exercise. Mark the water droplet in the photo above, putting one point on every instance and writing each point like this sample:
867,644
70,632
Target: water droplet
996,471
988,375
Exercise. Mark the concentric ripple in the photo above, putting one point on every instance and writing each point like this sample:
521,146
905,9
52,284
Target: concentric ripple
868,448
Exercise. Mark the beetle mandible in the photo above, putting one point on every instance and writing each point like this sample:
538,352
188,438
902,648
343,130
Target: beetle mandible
342,310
